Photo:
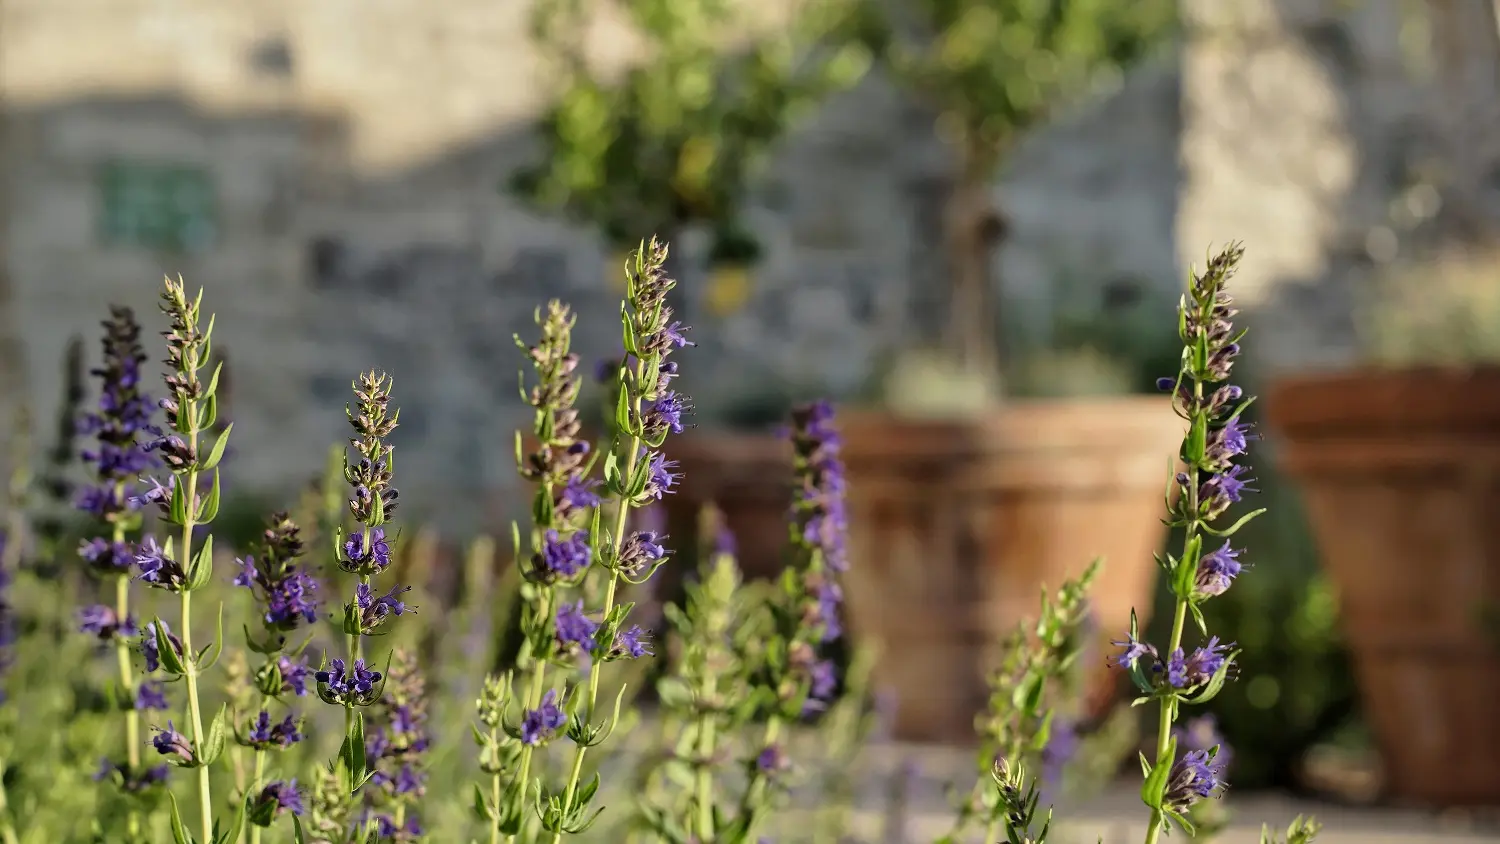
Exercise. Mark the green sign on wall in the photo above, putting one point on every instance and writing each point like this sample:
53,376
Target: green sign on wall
157,206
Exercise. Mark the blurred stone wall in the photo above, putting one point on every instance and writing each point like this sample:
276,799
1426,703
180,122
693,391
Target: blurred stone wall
342,163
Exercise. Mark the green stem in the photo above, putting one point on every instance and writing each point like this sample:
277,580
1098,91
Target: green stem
127,683
1164,722
356,643
754,801
1179,622
621,519
189,659
260,771
495,792
533,700
703,791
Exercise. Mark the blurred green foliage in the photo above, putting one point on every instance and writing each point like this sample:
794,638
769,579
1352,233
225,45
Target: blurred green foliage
676,139
993,68
990,70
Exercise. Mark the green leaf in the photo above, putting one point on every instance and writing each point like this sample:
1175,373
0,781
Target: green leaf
208,413
201,570
213,380
232,835
623,422
1234,528
179,832
171,662
216,647
1154,789
482,806
216,453
353,752
210,507
298,836
218,734
177,511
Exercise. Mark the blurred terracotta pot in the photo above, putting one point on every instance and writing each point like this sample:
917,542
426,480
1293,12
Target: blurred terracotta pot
1401,474
956,526
748,476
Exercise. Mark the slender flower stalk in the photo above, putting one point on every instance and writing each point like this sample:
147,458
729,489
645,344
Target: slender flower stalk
1208,486
707,697
797,671
558,464
397,748
636,472
366,552
1020,721
117,458
191,409
286,599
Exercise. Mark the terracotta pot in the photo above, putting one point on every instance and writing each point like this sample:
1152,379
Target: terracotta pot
1401,475
956,527
748,476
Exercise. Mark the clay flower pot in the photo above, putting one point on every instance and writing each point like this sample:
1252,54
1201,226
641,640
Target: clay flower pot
748,477
1401,474
957,526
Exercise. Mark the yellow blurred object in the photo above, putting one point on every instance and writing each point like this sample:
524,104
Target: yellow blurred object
728,289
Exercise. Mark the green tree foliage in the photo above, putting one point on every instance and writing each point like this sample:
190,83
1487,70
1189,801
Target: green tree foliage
676,140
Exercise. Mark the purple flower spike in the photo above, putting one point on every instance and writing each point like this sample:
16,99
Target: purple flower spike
540,724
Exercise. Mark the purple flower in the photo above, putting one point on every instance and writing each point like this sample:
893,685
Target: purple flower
1062,746
340,684
772,760
157,569
265,734
1217,570
1189,671
294,675
151,695
1222,490
540,724
564,558
724,543
130,781
1202,733
662,475
1132,653
1227,442
106,557
641,552
819,509
575,628
631,644
386,826
1198,774
375,611
374,559
277,797
288,595
664,415
102,621
169,742
122,414
579,493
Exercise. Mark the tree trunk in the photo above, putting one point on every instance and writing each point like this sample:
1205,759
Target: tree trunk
973,230
1466,49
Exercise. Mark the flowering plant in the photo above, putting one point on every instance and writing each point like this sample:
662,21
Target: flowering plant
748,672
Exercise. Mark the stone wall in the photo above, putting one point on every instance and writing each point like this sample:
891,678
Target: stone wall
353,155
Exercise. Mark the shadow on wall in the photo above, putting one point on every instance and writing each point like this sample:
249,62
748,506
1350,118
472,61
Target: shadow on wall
427,272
